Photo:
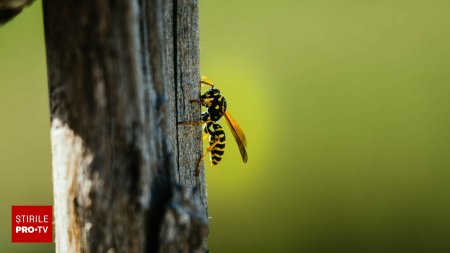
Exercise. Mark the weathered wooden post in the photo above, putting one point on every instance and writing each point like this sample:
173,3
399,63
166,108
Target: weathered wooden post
121,75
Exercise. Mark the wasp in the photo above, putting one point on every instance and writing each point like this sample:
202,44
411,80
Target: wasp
216,108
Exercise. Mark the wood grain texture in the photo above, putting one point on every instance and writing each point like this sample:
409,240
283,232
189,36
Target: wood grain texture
186,52
121,75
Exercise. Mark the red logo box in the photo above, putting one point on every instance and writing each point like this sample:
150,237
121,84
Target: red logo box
31,223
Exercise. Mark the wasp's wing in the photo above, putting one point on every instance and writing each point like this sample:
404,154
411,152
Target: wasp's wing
238,136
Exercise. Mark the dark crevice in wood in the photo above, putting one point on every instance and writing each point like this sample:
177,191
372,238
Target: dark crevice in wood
175,79
156,214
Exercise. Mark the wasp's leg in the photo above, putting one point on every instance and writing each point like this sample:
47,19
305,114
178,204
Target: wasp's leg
205,120
196,101
205,103
208,150
192,123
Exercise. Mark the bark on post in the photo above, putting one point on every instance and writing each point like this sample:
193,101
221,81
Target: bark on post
121,75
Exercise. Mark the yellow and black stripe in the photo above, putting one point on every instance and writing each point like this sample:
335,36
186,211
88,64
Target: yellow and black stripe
217,142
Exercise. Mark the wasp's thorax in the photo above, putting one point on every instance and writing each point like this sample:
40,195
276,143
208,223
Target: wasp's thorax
216,104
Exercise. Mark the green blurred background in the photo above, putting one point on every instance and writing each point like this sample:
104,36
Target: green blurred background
346,110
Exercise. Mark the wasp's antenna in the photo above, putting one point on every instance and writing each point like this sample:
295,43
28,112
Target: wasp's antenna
205,80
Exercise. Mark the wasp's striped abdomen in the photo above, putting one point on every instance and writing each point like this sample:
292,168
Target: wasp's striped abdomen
216,141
